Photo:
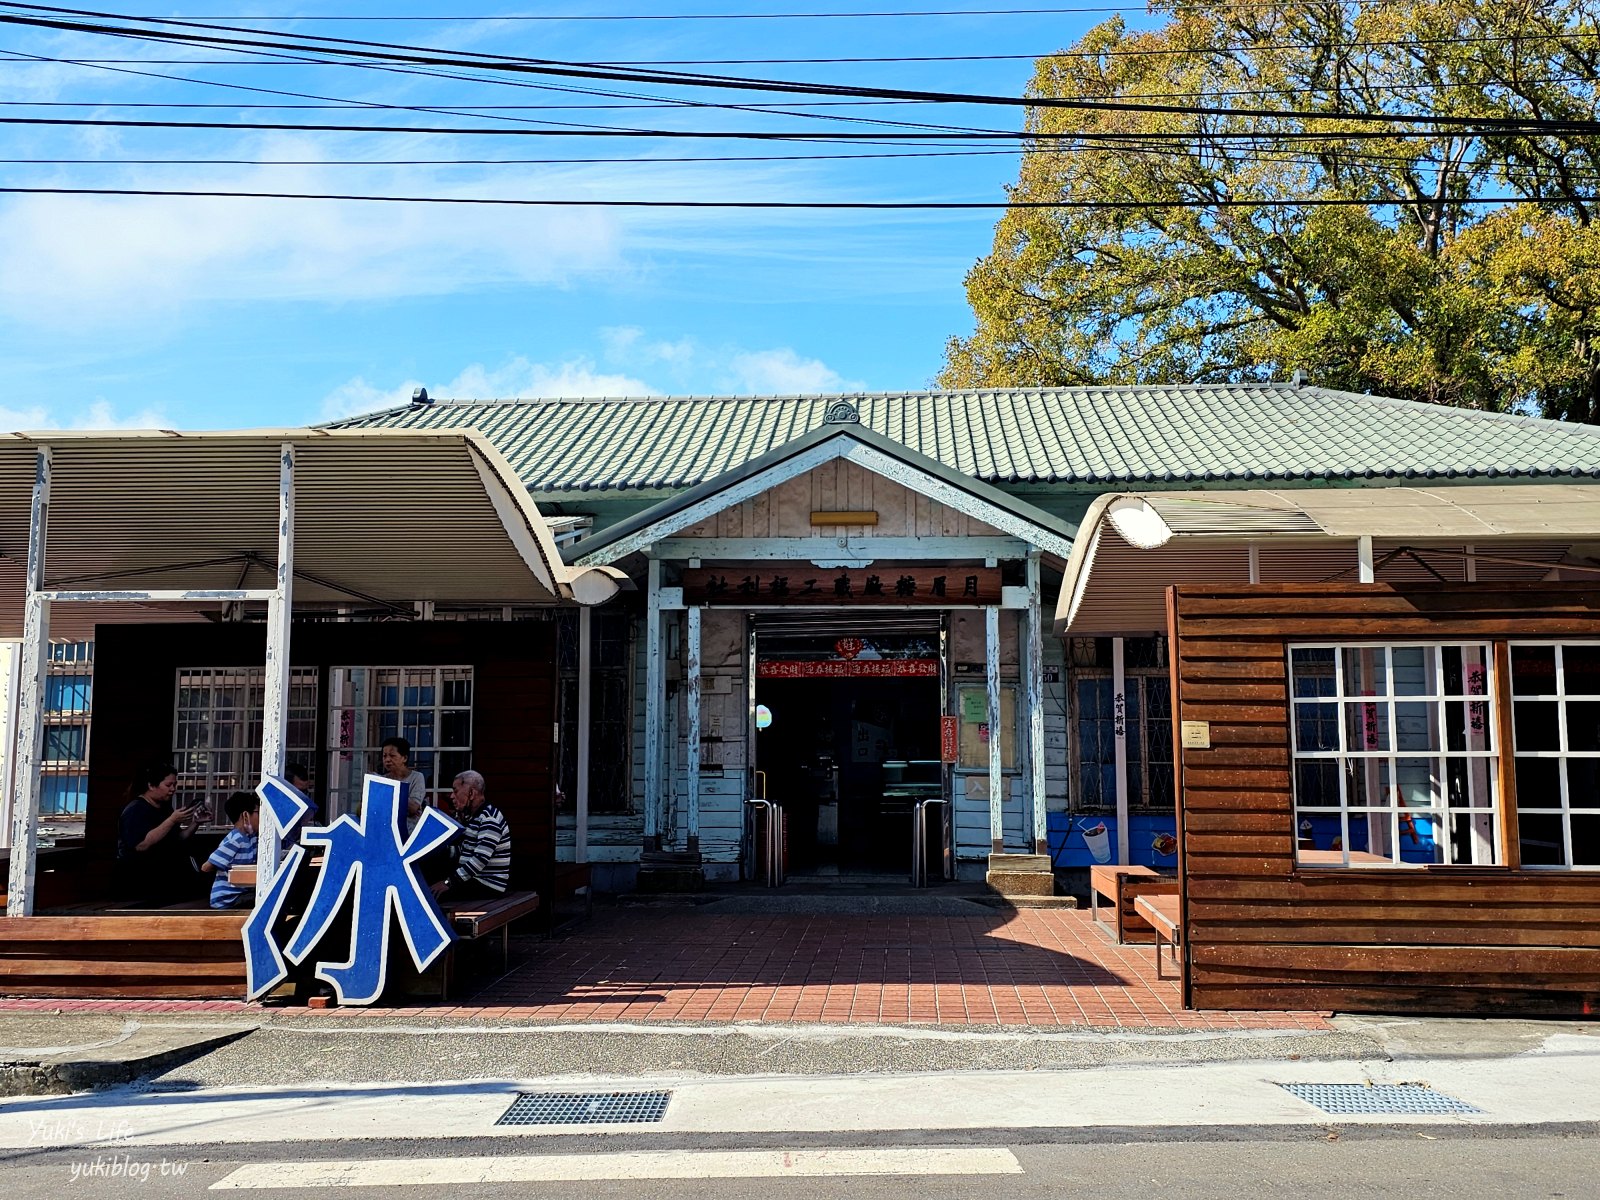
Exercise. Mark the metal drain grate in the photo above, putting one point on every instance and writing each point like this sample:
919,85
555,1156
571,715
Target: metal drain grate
586,1108
1406,1098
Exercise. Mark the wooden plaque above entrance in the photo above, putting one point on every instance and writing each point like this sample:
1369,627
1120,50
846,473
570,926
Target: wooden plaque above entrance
952,587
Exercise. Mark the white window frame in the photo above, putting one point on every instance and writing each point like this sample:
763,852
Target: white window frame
347,763
1562,754
1487,849
213,786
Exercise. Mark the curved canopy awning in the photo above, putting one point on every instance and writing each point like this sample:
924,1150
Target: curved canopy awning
383,519
1131,546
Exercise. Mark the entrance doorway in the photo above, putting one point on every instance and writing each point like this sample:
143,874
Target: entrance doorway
848,739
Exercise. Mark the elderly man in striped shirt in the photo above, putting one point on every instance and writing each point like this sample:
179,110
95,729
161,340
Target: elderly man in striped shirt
482,866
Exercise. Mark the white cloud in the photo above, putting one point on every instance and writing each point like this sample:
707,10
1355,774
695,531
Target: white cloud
98,415
689,367
696,367
33,417
782,371
517,378
70,261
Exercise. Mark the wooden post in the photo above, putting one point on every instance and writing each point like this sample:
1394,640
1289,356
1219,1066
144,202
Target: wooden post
28,775
1119,730
655,692
1035,701
1500,692
991,649
585,713
275,715
1365,570
691,655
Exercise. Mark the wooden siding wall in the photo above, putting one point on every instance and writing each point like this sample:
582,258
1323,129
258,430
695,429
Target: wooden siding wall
1263,933
839,486
513,712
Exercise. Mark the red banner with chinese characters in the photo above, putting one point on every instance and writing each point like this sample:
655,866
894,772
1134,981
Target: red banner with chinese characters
854,668
805,584
949,740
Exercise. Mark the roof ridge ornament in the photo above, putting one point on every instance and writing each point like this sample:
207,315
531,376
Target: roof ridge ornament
841,412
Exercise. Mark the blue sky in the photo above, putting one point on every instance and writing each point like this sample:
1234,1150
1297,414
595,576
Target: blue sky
210,313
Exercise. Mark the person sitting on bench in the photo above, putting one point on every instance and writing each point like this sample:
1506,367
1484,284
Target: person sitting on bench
483,857
238,849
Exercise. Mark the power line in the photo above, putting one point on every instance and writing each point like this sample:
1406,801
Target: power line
394,52
778,16
872,205
886,138
659,102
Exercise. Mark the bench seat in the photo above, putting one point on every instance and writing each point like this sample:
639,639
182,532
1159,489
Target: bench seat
1121,885
1166,918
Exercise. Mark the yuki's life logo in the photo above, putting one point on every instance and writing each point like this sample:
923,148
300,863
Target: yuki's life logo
370,872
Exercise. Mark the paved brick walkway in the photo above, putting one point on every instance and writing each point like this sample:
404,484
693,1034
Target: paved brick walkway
1028,967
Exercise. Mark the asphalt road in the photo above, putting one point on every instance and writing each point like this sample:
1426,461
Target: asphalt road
1369,1163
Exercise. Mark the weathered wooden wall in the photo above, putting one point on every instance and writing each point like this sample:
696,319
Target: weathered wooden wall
786,510
1264,933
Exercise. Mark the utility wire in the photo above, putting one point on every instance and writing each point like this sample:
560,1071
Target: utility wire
775,16
758,135
888,205
394,52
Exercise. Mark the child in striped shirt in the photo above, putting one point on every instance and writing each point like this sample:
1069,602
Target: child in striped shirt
238,849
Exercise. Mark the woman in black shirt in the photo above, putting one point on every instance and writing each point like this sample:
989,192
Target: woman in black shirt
152,853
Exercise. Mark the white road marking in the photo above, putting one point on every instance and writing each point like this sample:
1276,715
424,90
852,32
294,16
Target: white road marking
637,1165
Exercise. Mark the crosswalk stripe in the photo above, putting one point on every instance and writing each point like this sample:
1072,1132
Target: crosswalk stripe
632,1165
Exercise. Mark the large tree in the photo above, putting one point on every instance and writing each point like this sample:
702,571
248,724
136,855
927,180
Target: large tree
1408,292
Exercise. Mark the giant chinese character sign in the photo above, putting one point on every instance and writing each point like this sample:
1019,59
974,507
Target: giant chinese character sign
370,874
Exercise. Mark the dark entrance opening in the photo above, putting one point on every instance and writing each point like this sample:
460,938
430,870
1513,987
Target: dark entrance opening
848,741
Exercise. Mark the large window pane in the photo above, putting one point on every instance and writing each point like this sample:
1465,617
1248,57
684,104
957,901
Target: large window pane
1366,671
1413,670
1407,772
1366,725
1557,824
1533,670
1536,724
217,730
1314,672
431,707
1580,669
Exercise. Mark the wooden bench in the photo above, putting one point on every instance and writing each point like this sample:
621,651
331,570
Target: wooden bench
474,919
1121,885
1165,918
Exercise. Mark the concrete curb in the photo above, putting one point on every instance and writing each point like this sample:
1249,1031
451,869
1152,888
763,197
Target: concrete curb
145,1052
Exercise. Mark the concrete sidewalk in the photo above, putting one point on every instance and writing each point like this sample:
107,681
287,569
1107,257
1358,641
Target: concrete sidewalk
1554,1083
45,1053
53,1053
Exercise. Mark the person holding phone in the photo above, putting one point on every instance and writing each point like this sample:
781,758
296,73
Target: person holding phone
152,853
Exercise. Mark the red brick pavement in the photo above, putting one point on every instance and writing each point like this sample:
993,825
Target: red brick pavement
1001,967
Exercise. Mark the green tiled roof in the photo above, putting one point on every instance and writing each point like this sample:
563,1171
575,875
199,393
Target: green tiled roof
1065,435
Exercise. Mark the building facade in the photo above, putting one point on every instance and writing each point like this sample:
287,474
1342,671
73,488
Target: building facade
853,607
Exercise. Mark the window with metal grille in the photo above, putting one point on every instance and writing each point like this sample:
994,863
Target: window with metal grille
68,689
431,707
217,730
1146,716
1395,760
610,709
1555,718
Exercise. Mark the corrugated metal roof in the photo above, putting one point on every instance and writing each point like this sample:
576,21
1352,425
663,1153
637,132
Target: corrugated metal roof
1131,546
1067,435
395,515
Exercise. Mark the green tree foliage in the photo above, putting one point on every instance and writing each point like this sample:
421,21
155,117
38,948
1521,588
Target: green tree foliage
1408,293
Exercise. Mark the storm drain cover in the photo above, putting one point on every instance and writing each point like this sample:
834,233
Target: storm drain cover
1405,1098
586,1108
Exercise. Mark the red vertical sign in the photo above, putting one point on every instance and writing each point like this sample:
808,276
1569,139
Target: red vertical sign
949,742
